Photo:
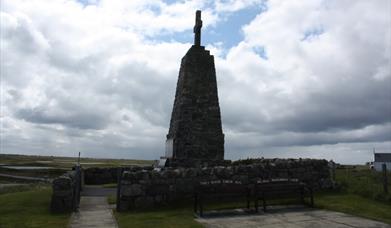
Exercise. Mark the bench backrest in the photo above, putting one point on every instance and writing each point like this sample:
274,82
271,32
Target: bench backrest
279,187
222,187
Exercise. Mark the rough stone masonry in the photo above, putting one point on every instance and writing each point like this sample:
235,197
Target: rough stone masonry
145,187
195,128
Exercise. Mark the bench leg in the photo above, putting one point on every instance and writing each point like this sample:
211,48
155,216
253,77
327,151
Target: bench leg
312,198
201,207
302,195
256,204
248,200
263,202
195,203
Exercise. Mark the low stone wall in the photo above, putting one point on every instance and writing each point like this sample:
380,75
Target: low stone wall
100,175
144,188
64,192
192,163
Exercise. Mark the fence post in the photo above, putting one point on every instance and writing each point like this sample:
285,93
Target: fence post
76,195
79,185
119,180
385,184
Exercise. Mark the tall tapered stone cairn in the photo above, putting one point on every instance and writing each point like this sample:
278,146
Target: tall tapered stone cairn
195,133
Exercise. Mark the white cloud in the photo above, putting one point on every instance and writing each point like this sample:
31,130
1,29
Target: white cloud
97,78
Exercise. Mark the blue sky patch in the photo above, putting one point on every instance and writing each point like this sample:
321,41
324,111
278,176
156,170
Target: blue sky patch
227,32
312,33
261,51
155,9
88,2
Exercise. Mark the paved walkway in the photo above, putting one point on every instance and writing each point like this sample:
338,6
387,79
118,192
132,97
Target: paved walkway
289,218
94,211
97,190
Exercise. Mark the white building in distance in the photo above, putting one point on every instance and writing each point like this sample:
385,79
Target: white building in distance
380,159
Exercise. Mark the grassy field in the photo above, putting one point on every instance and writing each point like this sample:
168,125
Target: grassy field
354,205
66,162
43,173
21,187
360,180
51,167
29,209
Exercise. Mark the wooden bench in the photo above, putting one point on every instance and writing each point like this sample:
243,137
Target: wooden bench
219,190
281,188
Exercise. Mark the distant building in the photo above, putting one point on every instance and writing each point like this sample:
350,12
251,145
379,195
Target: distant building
380,159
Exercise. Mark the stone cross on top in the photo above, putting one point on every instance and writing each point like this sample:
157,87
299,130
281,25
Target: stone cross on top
197,28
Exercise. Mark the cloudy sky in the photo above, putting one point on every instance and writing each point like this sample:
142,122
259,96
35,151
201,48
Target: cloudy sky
295,78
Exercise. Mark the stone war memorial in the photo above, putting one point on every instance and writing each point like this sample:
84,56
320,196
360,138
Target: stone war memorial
194,173
193,167
194,148
195,133
86,92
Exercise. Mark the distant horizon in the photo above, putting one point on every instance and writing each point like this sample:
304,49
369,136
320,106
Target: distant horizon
114,158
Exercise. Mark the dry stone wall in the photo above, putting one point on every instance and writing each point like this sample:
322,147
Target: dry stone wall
64,192
188,163
96,175
145,188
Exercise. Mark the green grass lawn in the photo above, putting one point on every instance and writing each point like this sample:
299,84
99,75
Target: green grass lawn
18,188
360,180
67,162
29,209
354,205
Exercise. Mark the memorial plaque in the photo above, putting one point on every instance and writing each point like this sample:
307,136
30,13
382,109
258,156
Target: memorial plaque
169,148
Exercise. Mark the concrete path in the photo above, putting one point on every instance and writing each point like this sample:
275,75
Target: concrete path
289,218
94,211
97,190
